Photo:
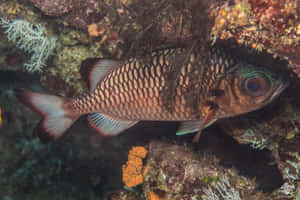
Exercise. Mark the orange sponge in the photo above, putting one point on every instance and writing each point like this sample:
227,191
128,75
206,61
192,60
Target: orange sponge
132,171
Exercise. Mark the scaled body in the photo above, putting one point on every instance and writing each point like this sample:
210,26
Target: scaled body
195,85
168,85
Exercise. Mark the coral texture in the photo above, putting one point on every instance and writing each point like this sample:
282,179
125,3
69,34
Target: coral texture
177,173
54,7
30,38
269,25
132,171
153,196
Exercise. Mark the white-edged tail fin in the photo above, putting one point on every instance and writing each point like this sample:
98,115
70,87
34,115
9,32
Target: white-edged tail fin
56,119
107,126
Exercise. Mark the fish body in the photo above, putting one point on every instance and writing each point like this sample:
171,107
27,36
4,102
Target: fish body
196,86
168,85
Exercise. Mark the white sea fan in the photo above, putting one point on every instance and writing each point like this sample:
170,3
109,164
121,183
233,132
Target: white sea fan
222,190
31,38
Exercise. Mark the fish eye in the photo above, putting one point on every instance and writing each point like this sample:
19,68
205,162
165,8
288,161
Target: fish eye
256,86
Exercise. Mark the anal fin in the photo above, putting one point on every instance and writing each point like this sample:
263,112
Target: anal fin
108,126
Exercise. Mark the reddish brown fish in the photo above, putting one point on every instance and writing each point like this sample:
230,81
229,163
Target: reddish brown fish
195,86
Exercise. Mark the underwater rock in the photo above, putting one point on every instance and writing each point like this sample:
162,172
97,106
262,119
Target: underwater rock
270,25
124,195
55,7
176,172
66,70
10,10
275,128
86,13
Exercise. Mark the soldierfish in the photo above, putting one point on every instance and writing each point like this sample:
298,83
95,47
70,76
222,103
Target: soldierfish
196,86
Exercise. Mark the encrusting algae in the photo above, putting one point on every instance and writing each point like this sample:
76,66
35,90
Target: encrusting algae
95,30
132,171
153,196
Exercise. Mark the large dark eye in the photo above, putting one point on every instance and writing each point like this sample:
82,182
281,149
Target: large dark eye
256,86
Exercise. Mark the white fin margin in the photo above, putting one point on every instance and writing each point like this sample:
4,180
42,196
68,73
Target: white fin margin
47,104
108,126
56,121
99,70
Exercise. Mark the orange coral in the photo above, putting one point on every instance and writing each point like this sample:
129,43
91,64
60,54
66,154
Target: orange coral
103,33
95,30
132,171
153,196
138,151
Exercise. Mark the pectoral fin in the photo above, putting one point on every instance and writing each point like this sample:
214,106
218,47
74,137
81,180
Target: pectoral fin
108,126
207,120
187,127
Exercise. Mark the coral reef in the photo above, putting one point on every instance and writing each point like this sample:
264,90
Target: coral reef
54,8
16,9
222,189
124,195
270,25
31,39
174,172
276,130
84,165
153,196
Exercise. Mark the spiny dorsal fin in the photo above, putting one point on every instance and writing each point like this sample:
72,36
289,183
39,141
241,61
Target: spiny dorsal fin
99,70
108,126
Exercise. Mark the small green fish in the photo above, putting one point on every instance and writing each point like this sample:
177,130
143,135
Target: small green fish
195,86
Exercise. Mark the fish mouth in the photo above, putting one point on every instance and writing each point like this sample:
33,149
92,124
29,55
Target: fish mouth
282,87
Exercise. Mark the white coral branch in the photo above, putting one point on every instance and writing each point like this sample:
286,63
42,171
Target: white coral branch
31,38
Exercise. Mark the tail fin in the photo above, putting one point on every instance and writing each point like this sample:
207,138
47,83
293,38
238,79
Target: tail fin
56,119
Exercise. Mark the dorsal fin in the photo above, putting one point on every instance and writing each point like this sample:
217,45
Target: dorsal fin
98,70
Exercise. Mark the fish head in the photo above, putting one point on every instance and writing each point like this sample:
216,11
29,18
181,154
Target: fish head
248,88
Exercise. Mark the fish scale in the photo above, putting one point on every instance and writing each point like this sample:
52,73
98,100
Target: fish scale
168,85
